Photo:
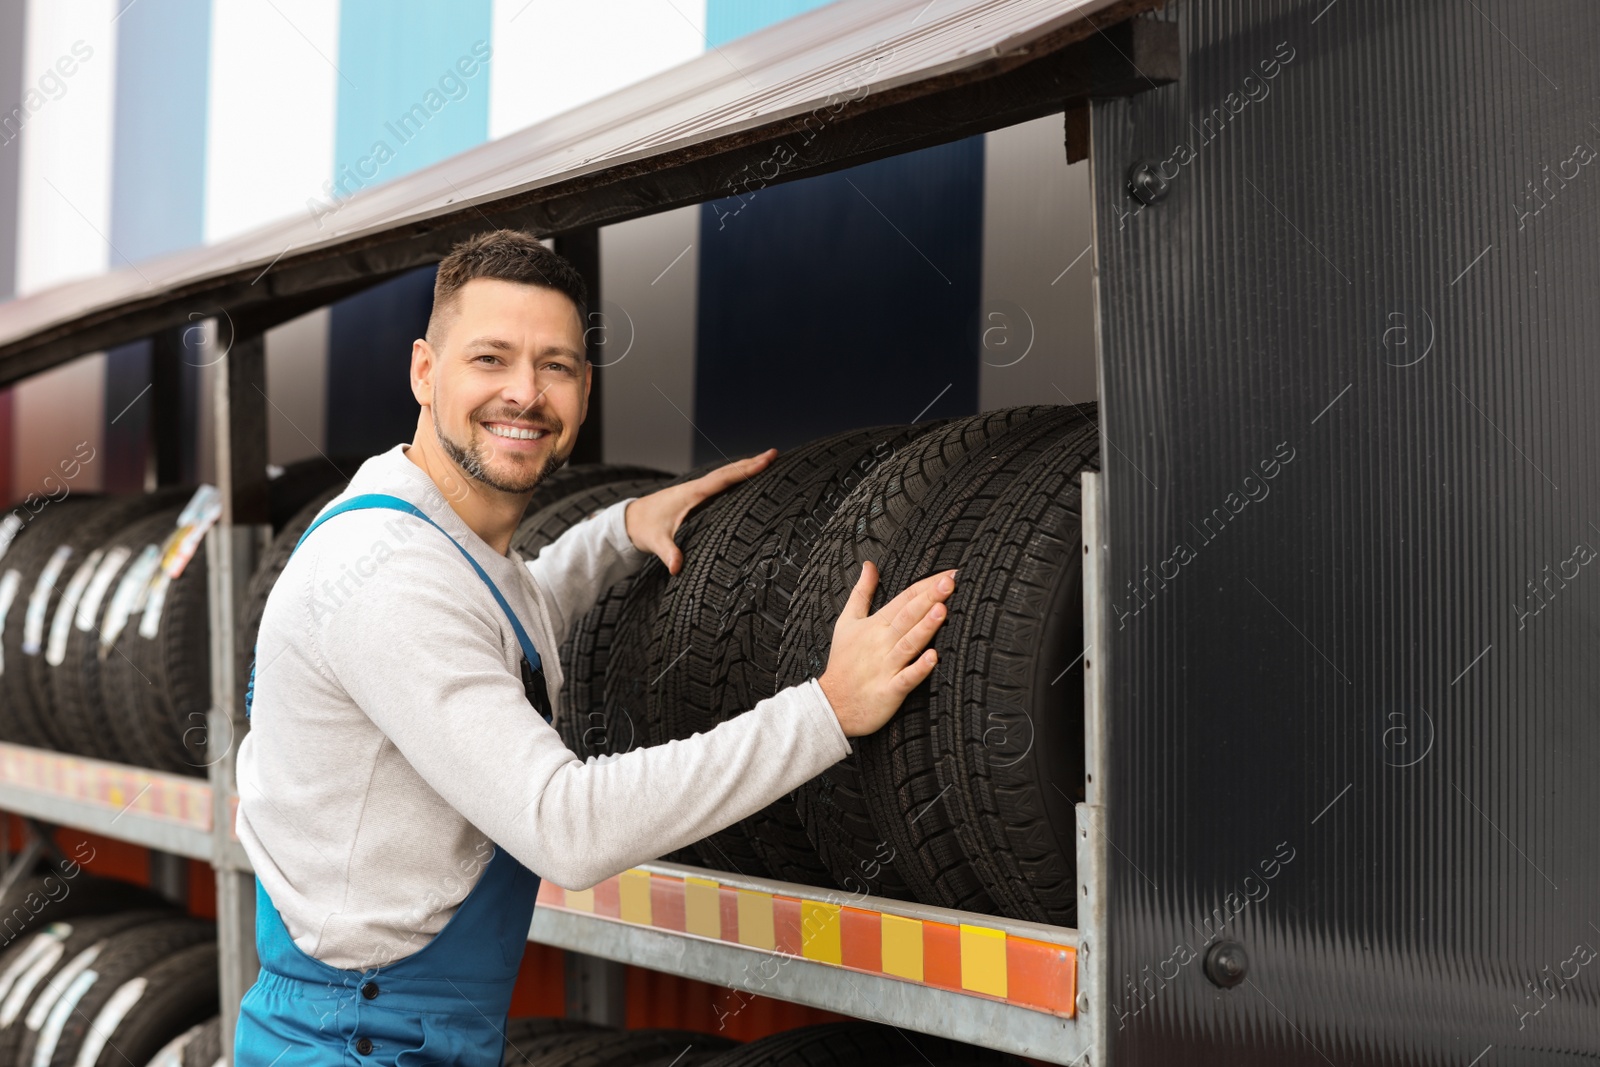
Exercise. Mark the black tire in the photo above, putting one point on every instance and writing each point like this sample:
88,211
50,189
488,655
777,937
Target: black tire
64,1010
684,1059
72,938
528,1040
539,528
917,808
20,711
192,1046
585,655
265,577
304,481
630,1048
205,1048
833,805
576,477
80,706
1011,728
857,1044
611,657
585,647
87,540
160,687
150,1008
720,620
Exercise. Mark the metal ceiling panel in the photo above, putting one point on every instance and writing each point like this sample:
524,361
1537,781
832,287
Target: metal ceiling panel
805,80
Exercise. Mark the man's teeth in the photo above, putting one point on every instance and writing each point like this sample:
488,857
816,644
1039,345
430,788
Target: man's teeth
515,433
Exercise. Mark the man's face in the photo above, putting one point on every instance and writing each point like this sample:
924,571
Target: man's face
509,386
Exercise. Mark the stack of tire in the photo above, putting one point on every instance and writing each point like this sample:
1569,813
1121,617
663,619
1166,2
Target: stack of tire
100,973
564,1043
965,799
102,652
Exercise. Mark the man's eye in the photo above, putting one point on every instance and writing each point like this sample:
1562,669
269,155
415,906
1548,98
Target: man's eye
559,366
494,359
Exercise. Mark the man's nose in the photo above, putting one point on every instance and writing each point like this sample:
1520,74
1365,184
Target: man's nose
524,389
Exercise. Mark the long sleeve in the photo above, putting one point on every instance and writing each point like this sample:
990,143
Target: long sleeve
587,559
425,661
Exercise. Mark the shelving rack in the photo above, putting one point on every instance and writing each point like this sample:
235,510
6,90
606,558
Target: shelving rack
867,80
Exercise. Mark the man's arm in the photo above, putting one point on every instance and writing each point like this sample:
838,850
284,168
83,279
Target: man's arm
424,660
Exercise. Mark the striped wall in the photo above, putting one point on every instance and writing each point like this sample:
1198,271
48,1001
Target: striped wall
946,281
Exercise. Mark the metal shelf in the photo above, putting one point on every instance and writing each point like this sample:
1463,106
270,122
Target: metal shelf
1020,987
981,979
162,811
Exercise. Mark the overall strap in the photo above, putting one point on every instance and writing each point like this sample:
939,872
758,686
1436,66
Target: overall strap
394,503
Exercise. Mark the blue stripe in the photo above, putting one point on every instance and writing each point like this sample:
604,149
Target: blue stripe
728,19
158,154
413,88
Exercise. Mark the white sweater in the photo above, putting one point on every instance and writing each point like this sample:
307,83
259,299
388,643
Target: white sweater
391,739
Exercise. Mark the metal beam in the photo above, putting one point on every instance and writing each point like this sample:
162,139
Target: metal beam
756,972
596,989
232,548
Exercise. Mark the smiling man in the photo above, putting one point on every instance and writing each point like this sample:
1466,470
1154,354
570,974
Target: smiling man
401,788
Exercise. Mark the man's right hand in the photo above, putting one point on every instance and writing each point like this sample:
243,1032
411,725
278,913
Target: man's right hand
875,660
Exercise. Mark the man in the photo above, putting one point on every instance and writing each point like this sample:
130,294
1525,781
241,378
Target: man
400,791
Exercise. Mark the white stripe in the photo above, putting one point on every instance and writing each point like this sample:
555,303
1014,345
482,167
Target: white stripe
550,57
111,1015
64,202
269,134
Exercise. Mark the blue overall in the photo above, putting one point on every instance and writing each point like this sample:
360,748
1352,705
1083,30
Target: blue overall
444,1004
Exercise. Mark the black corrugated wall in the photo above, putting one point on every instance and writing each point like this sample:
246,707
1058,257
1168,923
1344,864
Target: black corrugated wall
1351,377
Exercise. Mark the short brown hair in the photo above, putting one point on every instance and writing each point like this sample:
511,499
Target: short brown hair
509,255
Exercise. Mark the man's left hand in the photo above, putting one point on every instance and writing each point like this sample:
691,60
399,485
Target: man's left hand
653,520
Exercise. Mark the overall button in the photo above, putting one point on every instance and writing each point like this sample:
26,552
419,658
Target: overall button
364,1046
369,990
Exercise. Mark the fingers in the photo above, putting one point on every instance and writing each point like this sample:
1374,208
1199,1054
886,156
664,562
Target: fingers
916,672
735,472
906,609
917,636
861,596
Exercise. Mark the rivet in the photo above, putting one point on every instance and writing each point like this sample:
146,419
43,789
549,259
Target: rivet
1226,963
1145,183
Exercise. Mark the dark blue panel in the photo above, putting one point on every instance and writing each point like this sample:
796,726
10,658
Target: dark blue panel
127,415
370,406
848,299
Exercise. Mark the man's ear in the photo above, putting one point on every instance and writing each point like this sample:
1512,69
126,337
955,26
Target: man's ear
424,364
